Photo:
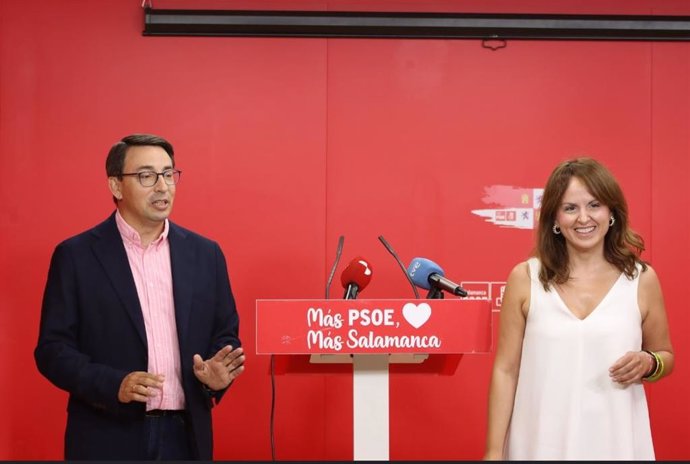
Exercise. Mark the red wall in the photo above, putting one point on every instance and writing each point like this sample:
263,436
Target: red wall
286,144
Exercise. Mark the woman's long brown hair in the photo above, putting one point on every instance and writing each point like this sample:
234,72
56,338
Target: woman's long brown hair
622,245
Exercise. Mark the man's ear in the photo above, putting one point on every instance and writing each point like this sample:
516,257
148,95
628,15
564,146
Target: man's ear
115,185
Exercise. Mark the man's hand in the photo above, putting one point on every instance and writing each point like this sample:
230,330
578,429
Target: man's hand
139,386
219,371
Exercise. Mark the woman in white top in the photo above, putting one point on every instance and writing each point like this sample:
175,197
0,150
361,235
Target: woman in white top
582,325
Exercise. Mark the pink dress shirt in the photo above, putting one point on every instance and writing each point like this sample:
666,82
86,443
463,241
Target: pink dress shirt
153,278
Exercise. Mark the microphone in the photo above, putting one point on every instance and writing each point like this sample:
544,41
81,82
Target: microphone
429,275
338,252
402,266
355,277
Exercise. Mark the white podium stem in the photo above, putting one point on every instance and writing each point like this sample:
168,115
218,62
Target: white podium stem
370,407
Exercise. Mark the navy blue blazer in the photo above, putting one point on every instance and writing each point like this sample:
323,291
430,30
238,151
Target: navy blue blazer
92,335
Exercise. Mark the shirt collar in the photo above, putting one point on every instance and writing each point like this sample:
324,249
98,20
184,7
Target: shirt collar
130,235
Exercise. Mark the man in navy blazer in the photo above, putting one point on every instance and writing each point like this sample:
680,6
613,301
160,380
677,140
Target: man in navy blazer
138,322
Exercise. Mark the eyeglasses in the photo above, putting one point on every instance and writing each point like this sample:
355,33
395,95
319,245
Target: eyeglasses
149,178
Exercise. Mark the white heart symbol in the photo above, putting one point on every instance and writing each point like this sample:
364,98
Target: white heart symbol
416,315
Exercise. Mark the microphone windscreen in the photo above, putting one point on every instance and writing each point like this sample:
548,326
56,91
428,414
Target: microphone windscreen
420,269
357,272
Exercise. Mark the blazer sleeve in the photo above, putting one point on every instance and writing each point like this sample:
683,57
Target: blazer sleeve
227,323
58,355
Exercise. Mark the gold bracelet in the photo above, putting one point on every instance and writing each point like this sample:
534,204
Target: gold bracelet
658,370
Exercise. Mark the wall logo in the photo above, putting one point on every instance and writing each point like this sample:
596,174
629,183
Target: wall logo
517,207
486,291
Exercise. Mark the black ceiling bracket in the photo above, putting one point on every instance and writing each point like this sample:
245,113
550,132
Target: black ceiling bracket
347,24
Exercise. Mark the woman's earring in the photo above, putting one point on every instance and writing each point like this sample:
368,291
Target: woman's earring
556,229
612,221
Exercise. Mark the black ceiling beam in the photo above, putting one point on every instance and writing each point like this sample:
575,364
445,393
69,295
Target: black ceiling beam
334,24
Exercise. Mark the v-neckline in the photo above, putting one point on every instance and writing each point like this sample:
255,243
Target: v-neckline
596,307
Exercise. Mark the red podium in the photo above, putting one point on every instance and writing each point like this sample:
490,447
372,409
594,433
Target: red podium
370,335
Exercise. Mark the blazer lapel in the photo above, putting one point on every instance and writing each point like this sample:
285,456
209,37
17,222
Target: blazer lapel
182,264
110,251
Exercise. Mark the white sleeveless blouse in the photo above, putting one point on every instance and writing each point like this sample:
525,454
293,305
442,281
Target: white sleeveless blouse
566,405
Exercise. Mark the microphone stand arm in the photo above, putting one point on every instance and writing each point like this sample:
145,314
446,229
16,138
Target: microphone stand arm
434,294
